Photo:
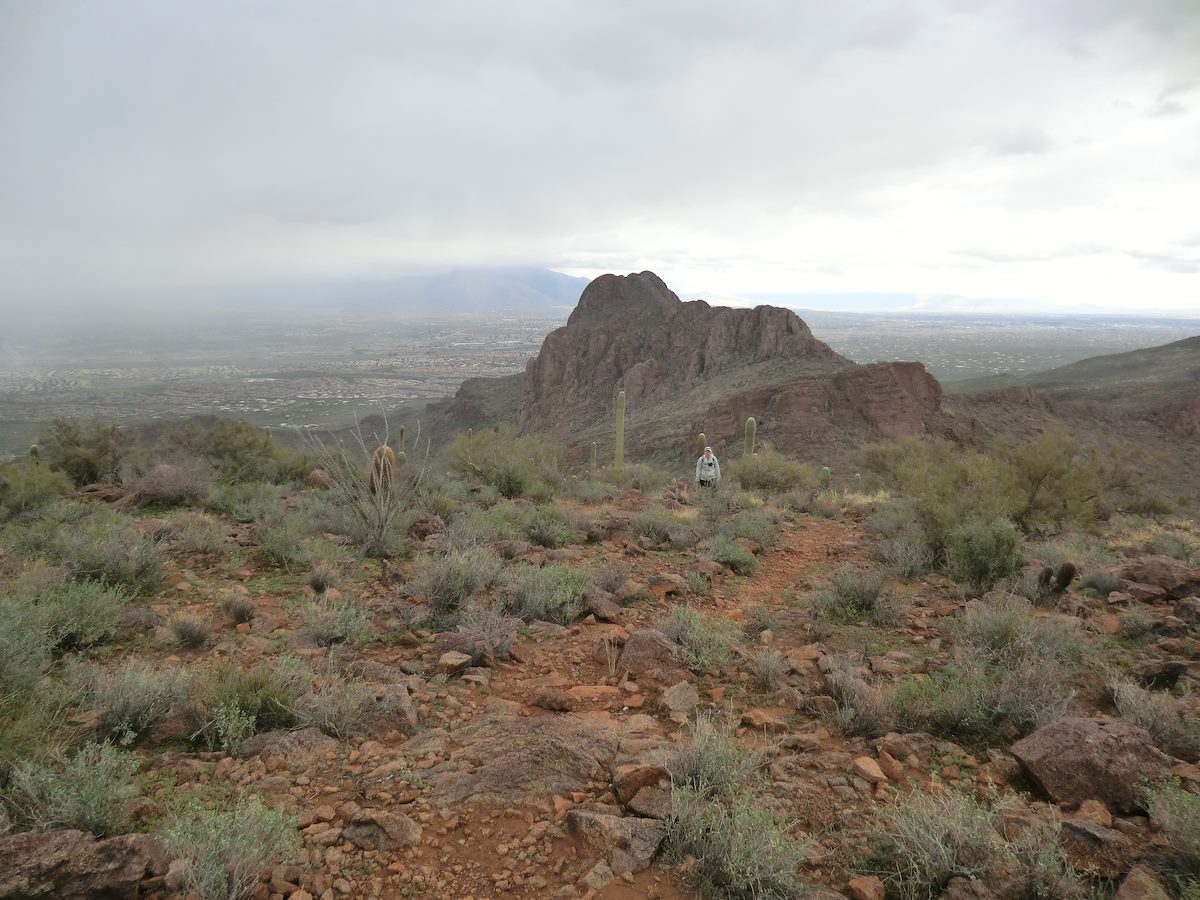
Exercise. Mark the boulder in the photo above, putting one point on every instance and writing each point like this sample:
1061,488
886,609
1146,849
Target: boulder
75,865
647,650
1174,578
679,699
1141,884
630,843
1077,759
601,604
512,761
372,829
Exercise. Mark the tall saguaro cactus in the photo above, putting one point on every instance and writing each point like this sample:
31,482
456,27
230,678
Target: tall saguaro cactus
619,453
751,431
400,440
593,462
703,442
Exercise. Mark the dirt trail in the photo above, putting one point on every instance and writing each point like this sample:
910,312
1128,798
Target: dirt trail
809,547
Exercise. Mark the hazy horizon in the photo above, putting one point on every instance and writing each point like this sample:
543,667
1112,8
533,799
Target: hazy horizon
961,155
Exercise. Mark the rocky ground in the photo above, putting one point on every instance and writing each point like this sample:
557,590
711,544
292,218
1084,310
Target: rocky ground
537,770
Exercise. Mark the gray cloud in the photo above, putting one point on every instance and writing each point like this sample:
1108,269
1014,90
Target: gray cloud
152,145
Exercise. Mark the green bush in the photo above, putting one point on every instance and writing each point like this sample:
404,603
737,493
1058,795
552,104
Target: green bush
855,594
734,555
80,613
334,621
189,632
27,643
337,705
706,644
238,451
513,464
107,546
1160,715
754,525
179,482
741,850
227,851
84,453
247,501
771,472
450,580
132,699
924,840
26,485
1177,813
549,528
85,791
655,523
197,533
264,696
980,554
768,668
1137,622
281,543
711,763
906,553
551,593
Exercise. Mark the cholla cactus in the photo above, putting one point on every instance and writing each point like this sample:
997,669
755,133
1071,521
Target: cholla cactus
751,431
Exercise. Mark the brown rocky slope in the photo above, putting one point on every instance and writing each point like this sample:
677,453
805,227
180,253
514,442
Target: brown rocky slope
688,367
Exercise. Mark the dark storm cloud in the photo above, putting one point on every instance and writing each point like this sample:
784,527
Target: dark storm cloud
160,143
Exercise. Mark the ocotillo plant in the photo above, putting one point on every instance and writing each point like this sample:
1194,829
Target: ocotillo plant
751,431
825,473
619,453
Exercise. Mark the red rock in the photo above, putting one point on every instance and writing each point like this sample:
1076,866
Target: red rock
1141,884
867,768
866,887
761,720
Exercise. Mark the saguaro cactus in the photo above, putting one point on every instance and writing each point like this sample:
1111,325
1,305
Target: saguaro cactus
751,431
825,473
400,440
592,465
703,442
35,452
619,452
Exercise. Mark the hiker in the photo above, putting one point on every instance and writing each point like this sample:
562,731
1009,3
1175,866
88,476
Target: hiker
708,470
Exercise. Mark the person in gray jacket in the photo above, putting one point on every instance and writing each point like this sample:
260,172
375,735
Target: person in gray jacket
708,470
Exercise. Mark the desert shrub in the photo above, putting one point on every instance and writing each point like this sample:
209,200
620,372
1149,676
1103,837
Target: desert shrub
710,762
328,621
513,464
437,499
472,530
246,501
610,576
281,543
1056,482
449,580
906,553
924,840
980,554
1034,588
31,722
84,453
1137,622
758,620
587,490
741,850
490,632
1160,715
713,505
238,451
86,790
699,584
549,528
549,593
754,525
197,533
107,546
79,613
856,594
189,632
706,644
1177,813
1008,629
768,668
769,471
238,607
132,699
227,850
27,643
734,555
1102,582
1079,549
263,697
822,504
26,485
320,514
655,523
862,708
1173,544
337,705
179,482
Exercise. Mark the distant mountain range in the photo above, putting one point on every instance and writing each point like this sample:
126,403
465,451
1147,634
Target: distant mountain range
491,291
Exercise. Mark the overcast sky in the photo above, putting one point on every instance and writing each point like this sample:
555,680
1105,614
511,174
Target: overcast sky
1040,151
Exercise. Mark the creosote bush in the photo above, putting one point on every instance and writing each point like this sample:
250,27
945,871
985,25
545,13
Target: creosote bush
735,556
1172,729
980,554
227,850
449,580
227,704
132,699
549,528
330,621
769,471
26,485
515,465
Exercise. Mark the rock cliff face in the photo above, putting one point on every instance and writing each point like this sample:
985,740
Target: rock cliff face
688,367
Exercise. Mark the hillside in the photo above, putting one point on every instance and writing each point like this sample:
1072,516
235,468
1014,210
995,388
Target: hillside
691,367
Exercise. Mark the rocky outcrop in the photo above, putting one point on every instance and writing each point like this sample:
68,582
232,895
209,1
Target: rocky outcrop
1077,759
700,367
74,865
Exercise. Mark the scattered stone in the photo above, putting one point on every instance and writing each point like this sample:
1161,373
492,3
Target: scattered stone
1076,759
629,842
1141,884
647,650
452,662
866,887
374,829
1171,576
762,720
867,768
1094,848
680,699
601,604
